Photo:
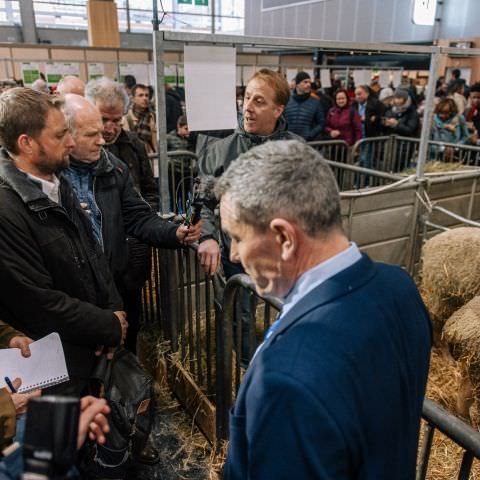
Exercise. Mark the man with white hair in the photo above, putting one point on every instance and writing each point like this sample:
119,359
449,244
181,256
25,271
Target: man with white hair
336,389
111,100
71,84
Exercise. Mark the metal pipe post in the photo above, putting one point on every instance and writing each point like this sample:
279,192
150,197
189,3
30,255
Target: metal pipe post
160,107
428,114
213,17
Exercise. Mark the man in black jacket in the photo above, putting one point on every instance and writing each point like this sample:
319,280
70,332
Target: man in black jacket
111,100
53,275
103,183
371,111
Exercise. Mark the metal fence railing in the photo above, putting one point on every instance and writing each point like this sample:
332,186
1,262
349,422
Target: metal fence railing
334,150
468,439
396,154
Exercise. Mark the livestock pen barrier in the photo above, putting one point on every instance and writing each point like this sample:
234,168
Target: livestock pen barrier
197,313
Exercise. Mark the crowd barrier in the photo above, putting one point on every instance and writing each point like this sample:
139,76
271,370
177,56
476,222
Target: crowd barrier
396,154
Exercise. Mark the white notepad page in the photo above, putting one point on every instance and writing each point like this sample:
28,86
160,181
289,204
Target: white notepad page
45,367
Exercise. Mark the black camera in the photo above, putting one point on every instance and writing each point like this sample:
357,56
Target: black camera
50,445
202,192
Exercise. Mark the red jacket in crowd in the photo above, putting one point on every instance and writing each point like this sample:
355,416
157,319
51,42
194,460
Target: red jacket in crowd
347,121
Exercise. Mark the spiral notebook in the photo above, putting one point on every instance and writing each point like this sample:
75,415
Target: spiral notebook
45,367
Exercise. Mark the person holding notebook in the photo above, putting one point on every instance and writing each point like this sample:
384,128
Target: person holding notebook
54,276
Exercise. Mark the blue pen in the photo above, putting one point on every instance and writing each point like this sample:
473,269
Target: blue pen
10,385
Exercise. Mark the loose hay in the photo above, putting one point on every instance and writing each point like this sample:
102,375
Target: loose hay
450,273
443,382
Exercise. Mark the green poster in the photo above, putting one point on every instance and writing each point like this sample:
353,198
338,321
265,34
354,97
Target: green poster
201,3
29,76
185,2
53,77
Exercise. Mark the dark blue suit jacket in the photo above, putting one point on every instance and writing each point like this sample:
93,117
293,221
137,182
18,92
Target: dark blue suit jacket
336,392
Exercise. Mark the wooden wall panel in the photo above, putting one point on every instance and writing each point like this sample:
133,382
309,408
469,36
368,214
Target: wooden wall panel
103,24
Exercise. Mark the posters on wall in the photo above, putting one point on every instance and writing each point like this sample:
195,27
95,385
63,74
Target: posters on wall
30,72
180,75
201,86
170,74
54,71
95,70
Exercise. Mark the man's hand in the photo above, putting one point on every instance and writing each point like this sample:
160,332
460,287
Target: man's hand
188,235
209,255
22,343
20,400
122,317
335,133
390,122
93,420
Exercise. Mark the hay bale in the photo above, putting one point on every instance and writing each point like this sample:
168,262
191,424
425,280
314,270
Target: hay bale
450,272
461,332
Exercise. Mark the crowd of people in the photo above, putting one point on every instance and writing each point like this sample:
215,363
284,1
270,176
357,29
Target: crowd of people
78,202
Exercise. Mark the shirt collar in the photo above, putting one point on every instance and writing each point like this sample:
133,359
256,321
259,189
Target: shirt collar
50,189
320,273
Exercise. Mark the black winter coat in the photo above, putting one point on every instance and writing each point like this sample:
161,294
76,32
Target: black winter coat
53,276
131,150
408,122
173,108
374,111
125,212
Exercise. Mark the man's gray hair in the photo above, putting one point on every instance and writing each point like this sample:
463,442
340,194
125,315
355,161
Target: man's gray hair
287,179
108,92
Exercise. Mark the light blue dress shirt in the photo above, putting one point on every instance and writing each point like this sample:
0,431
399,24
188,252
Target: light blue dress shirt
314,277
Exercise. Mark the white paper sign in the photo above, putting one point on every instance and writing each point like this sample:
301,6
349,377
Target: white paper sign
397,78
360,77
291,74
71,69
210,73
95,70
247,72
384,78
138,70
325,78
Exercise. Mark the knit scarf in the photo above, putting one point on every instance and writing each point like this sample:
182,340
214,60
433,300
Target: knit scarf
142,128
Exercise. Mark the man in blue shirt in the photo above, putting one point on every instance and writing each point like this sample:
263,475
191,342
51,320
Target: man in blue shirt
336,389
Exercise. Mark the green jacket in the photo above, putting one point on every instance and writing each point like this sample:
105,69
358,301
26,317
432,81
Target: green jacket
7,409
221,153
7,333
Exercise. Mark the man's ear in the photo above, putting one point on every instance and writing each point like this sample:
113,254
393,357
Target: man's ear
25,144
278,111
286,237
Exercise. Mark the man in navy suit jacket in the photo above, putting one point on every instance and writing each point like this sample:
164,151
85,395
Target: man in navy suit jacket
336,389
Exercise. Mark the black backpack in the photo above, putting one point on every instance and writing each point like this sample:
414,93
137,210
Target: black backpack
129,392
